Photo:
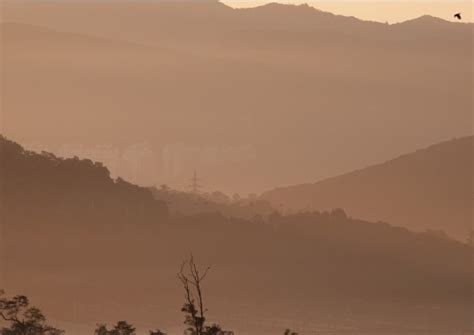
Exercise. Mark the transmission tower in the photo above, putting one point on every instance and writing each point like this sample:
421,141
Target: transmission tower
195,186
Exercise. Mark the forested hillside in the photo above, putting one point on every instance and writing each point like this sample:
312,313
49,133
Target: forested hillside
429,189
40,189
107,248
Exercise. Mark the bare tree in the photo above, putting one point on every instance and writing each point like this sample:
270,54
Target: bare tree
191,278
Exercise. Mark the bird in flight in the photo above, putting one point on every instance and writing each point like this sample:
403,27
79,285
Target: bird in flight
457,16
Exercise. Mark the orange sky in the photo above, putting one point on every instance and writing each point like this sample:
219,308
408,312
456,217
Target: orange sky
383,11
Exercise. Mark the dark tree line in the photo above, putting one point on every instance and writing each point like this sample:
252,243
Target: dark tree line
185,203
23,319
74,190
121,328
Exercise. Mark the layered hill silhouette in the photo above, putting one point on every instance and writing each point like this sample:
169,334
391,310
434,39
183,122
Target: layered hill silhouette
99,249
234,93
42,192
430,189
189,203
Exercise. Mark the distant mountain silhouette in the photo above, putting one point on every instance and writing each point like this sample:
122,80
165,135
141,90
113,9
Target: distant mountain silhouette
187,203
98,246
426,189
233,92
42,192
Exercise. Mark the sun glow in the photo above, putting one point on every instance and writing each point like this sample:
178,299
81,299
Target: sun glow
381,11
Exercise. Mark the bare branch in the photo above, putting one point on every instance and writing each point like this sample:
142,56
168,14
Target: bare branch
195,278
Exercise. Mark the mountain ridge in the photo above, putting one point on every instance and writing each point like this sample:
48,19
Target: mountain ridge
402,180
79,229
265,88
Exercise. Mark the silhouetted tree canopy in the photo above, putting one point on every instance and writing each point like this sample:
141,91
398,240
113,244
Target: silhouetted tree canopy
66,224
185,203
23,319
157,332
65,191
121,328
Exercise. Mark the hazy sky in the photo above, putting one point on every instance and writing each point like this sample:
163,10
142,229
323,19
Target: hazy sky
383,10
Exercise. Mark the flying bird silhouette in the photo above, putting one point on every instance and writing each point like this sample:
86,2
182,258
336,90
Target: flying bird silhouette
458,16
